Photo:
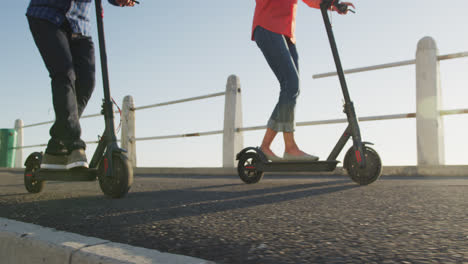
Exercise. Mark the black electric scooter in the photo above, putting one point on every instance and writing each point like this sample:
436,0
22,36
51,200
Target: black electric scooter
362,163
109,163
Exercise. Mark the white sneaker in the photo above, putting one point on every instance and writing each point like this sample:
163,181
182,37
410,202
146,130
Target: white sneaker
54,162
77,159
305,157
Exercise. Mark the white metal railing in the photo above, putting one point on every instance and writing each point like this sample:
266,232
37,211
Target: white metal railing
180,101
125,134
361,119
430,143
134,109
390,65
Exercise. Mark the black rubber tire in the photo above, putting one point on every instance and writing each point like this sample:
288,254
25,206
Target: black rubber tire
33,163
251,175
367,175
119,183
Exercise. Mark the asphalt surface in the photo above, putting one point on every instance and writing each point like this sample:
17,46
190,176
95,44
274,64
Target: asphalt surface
281,219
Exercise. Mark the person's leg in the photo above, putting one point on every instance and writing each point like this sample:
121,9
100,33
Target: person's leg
275,49
54,47
289,141
270,134
283,59
82,49
290,145
291,150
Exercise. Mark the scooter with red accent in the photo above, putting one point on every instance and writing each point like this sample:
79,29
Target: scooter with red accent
361,162
109,163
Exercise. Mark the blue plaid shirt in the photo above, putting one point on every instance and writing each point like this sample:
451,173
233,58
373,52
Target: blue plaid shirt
77,12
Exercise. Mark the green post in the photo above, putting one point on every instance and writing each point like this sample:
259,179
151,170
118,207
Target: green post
7,148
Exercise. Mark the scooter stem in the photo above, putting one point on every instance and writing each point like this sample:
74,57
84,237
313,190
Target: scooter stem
339,68
348,106
107,105
110,140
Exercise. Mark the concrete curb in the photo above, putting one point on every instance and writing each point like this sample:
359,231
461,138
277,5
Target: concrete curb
27,243
427,171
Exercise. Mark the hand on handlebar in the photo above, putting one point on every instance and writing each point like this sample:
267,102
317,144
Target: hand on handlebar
126,2
343,7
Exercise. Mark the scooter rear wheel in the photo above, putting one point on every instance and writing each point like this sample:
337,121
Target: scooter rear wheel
368,174
117,184
33,163
247,168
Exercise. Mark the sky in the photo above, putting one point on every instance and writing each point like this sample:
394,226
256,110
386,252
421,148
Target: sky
161,51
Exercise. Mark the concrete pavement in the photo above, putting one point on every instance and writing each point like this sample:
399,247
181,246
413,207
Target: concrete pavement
283,219
23,243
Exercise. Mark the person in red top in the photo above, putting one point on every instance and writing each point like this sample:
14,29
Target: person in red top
273,30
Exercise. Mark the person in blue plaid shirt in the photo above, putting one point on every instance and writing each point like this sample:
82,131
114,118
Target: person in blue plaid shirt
61,31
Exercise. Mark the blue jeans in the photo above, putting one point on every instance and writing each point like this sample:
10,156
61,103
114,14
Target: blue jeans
281,55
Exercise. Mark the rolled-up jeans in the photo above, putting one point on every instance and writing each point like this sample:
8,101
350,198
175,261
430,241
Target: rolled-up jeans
281,55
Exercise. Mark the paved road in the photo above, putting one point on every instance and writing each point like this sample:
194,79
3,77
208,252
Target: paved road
282,219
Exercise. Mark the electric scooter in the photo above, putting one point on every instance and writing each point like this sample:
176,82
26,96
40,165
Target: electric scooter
361,162
109,164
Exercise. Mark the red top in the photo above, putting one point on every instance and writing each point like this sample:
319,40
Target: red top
279,16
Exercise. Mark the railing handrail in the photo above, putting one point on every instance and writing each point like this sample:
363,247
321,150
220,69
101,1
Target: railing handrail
426,62
361,119
304,123
201,97
45,144
196,134
139,108
316,76
52,121
390,65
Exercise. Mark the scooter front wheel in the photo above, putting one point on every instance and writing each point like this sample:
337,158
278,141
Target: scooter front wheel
247,168
367,175
33,163
117,184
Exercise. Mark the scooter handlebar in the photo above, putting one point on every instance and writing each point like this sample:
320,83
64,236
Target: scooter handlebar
341,8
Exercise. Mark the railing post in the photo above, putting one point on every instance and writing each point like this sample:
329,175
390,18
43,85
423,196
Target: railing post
429,123
19,143
128,129
232,139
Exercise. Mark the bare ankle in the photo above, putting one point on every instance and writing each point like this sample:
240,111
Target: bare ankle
267,151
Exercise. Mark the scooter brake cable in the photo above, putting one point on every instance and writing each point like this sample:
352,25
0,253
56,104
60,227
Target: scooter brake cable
120,115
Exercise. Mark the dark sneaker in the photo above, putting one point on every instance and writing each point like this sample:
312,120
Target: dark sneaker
54,162
77,159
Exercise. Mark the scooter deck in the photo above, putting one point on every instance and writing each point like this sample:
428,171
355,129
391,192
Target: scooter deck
66,175
298,166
